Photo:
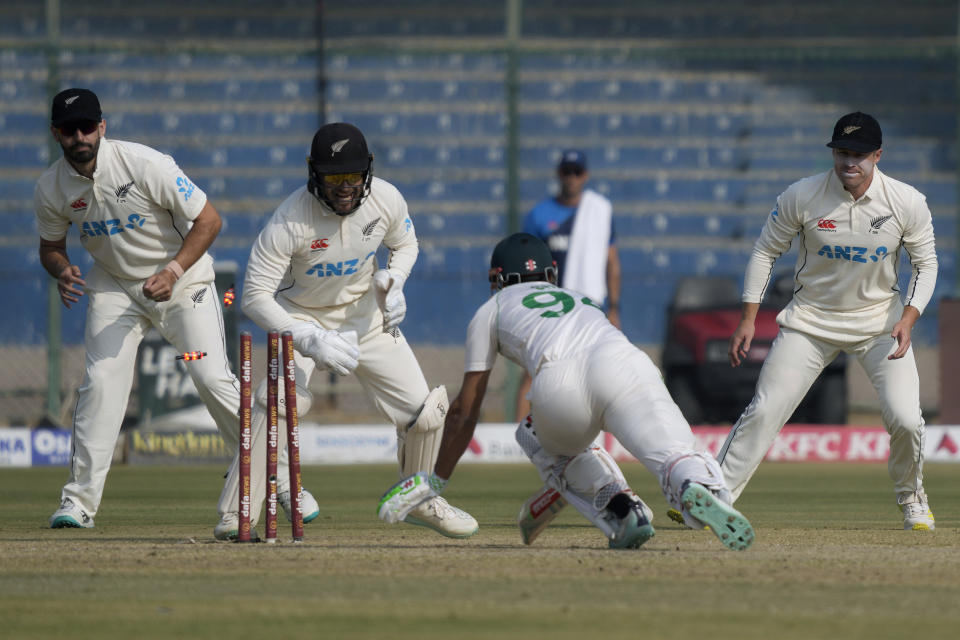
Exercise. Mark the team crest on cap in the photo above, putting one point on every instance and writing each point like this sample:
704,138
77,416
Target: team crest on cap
338,145
848,130
530,264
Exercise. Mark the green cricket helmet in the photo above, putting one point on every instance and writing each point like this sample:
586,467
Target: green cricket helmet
521,257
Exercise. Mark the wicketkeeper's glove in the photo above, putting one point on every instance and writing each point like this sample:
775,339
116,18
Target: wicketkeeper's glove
389,291
330,349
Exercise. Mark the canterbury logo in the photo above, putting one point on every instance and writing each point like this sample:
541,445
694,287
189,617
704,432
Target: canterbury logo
823,223
70,100
848,130
876,223
198,296
124,190
338,145
367,230
78,204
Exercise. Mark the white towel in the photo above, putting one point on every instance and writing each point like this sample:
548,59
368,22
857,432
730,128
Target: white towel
586,267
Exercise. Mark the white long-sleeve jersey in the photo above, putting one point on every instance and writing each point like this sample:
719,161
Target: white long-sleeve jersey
845,282
132,216
535,322
309,258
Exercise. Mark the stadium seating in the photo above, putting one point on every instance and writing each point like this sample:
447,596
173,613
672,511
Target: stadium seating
692,145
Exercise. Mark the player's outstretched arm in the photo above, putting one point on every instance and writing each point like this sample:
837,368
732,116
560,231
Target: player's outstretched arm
461,422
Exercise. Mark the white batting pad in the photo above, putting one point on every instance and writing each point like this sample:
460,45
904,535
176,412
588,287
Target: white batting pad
419,443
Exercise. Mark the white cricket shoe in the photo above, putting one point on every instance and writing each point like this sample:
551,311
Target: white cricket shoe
228,527
636,528
916,512
437,514
70,516
308,504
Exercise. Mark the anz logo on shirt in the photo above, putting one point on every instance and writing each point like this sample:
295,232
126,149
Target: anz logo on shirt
852,254
185,187
91,228
342,268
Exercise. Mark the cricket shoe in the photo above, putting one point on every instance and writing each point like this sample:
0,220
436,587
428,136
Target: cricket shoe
437,514
228,527
308,505
916,512
728,524
70,516
635,528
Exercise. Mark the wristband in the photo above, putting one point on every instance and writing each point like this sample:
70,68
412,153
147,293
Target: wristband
175,267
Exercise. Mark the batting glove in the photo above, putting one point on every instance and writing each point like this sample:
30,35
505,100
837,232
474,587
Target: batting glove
390,298
330,349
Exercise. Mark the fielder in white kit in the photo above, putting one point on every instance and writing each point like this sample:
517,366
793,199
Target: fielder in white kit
853,223
148,228
313,271
587,377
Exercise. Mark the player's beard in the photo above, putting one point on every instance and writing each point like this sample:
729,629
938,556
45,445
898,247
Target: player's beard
345,199
81,152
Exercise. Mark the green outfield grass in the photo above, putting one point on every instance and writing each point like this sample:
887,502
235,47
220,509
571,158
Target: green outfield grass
830,561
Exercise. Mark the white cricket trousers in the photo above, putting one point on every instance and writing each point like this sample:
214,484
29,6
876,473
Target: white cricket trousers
118,317
390,375
616,388
790,369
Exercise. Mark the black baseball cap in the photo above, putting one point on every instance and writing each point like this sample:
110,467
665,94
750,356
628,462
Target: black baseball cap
339,147
75,105
858,132
572,159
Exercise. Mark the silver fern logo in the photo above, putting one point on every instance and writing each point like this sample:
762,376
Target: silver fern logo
368,229
123,191
876,223
198,296
337,146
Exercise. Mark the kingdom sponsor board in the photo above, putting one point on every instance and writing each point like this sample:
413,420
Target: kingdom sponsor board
145,447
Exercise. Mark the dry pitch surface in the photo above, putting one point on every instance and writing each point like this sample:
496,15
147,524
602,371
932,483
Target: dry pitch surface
830,561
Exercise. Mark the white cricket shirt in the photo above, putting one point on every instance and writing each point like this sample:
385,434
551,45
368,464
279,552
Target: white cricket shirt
132,216
310,258
846,271
535,322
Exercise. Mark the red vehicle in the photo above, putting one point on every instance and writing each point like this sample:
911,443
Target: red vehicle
704,313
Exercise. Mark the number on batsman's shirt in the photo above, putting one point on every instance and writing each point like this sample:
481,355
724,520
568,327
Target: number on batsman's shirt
532,323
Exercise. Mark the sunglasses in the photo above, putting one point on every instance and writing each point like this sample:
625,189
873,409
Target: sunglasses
86,127
336,179
571,171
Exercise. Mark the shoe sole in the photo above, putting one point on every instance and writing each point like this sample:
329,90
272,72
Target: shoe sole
423,523
728,524
66,522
